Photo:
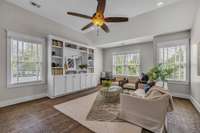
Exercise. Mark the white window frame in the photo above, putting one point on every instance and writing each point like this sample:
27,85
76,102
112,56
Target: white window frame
18,36
184,42
125,63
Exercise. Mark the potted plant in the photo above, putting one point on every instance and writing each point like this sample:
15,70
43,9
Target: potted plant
83,66
106,85
161,72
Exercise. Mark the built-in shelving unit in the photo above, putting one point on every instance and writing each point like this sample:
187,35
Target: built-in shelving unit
70,66
57,56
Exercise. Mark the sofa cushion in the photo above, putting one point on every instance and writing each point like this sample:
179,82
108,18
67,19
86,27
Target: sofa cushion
129,86
115,83
140,92
119,78
132,79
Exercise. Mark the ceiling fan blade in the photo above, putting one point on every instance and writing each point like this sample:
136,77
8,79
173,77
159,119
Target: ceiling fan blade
87,26
79,15
101,6
105,28
116,19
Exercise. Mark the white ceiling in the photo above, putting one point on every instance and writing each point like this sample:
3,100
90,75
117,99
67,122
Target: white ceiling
56,9
1,1
146,18
173,18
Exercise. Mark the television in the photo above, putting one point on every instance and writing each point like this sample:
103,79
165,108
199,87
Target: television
107,75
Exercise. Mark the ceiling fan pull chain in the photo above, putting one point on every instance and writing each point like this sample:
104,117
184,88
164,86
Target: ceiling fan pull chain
97,32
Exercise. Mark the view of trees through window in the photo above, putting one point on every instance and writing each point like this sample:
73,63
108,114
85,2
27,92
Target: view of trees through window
26,61
174,57
126,64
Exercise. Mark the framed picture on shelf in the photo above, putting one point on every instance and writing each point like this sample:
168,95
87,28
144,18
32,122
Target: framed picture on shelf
71,64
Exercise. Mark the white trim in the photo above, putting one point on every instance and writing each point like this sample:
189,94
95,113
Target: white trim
70,41
15,35
195,103
180,95
21,100
127,52
172,43
25,84
19,36
178,82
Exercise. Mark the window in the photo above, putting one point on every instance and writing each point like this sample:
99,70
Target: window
25,60
126,64
175,55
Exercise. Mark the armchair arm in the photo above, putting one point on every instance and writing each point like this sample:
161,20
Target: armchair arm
122,82
143,82
114,79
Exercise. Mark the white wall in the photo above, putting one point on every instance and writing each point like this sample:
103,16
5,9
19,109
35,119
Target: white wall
149,58
98,61
146,53
195,79
20,20
1,1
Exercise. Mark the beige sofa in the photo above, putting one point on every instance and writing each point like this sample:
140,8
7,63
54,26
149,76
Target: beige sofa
146,110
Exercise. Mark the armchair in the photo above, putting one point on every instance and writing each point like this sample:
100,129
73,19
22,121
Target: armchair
130,84
119,81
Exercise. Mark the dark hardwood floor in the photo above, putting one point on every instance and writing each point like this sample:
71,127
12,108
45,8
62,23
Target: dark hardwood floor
184,119
39,116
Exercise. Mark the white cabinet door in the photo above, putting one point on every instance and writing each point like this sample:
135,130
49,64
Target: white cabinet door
69,83
76,82
88,80
94,80
83,81
59,85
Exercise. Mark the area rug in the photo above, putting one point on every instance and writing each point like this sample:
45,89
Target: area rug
78,109
102,110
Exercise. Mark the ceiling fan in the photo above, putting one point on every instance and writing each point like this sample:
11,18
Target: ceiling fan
98,18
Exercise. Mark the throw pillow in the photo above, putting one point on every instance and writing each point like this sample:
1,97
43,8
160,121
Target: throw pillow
146,88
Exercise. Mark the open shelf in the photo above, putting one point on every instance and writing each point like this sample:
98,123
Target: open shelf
57,57
57,43
57,71
65,51
57,67
56,47
69,45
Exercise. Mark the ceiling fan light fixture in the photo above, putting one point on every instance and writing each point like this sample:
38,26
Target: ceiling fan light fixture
98,19
98,22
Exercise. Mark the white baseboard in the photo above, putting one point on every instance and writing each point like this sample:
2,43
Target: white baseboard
21,100
180,95
195,103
